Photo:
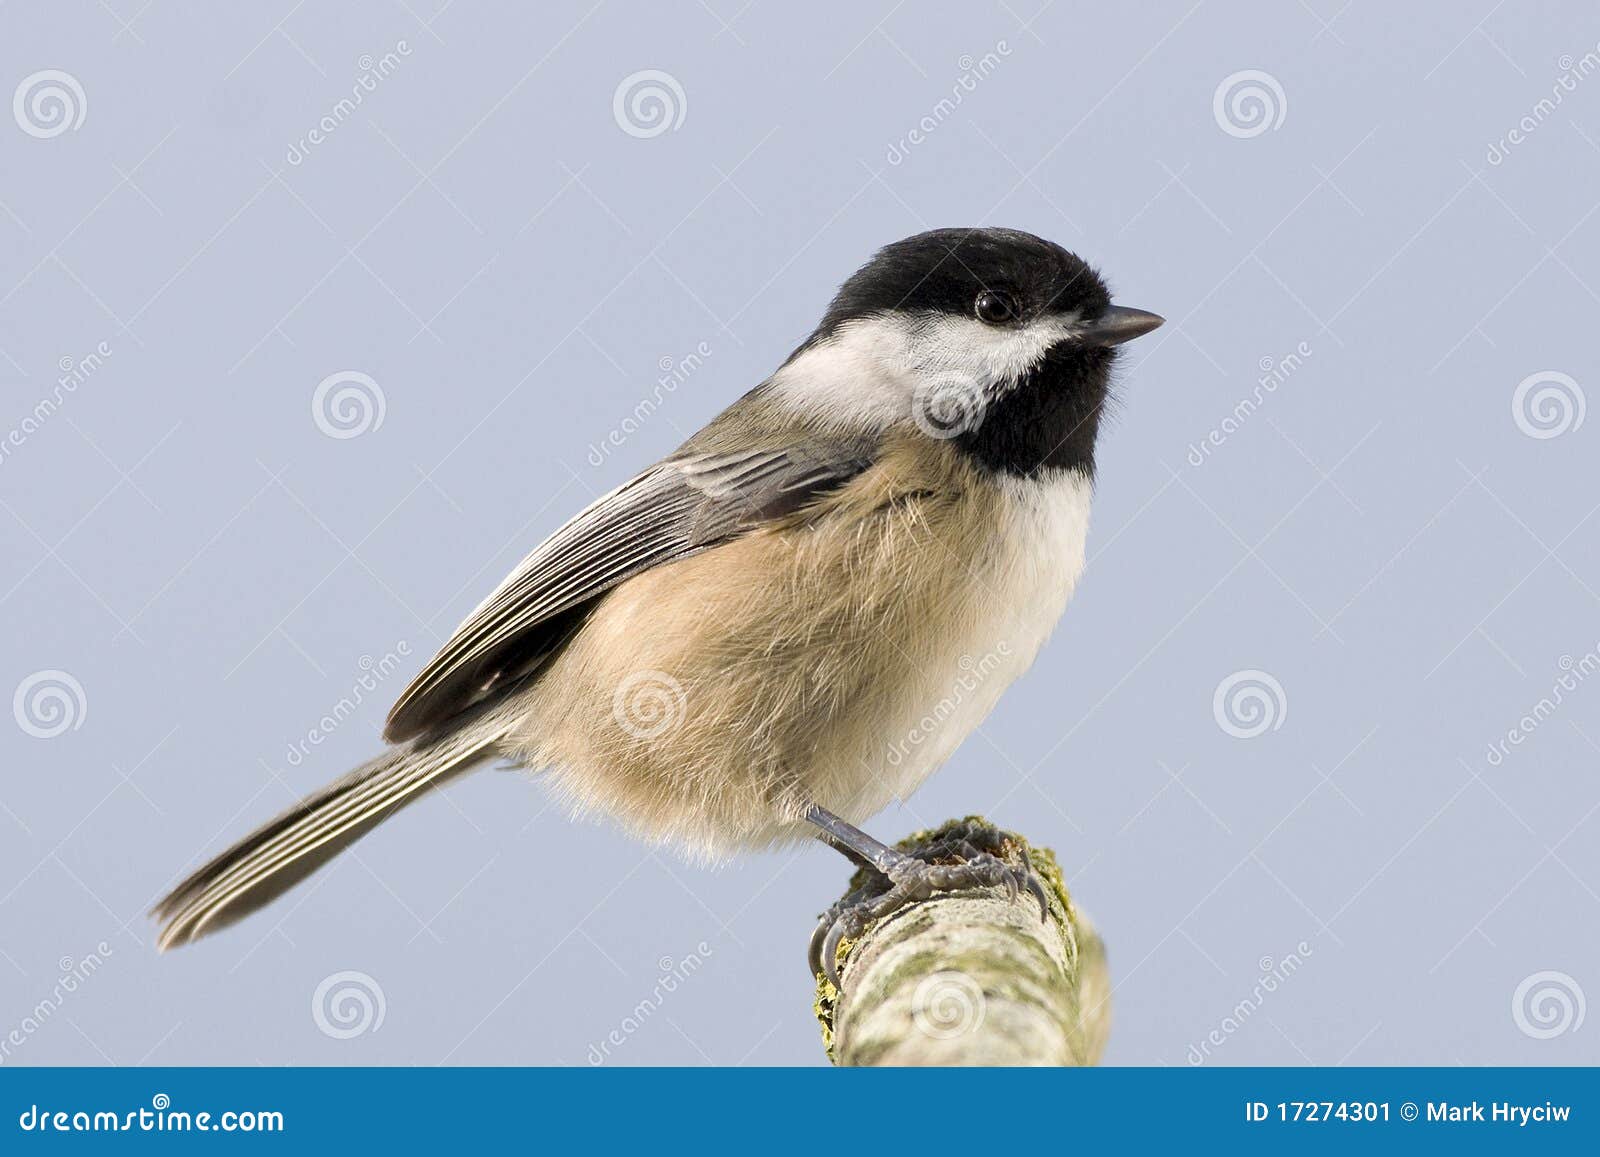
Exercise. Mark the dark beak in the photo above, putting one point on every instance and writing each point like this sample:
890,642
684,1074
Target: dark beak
1119,324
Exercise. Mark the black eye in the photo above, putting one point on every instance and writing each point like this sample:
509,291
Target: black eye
996,307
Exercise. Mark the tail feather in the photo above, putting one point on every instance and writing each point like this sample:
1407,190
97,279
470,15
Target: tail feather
284,851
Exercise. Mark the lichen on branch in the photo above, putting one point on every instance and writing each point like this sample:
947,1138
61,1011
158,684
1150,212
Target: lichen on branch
971,977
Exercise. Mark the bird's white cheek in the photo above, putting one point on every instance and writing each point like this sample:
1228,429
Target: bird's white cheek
859,379
991,356
880,371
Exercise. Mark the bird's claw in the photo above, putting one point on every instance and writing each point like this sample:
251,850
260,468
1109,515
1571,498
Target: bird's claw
911,877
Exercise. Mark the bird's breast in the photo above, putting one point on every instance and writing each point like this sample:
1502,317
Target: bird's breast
837,658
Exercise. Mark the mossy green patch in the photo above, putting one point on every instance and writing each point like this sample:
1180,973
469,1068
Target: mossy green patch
1012,849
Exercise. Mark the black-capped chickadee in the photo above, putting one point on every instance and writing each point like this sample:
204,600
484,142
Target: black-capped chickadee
747,643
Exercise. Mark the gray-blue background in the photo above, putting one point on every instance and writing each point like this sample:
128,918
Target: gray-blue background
483,239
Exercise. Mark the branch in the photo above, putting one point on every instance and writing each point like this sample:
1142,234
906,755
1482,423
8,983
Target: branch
971,978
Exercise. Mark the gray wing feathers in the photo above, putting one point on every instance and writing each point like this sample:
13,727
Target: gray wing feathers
280,853
676,508
699,498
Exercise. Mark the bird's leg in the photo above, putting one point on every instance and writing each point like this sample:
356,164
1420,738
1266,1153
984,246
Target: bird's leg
845,850
844,836
899,879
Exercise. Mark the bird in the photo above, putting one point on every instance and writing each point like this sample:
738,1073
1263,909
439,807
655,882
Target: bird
794,618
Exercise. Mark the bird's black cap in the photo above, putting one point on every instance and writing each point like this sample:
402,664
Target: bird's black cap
944,271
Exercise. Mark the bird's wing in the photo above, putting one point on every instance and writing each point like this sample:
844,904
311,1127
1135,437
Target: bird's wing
680,506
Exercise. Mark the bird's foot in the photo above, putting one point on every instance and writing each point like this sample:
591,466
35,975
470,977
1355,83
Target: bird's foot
906,878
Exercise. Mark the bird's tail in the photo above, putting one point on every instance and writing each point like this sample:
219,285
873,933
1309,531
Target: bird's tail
280,854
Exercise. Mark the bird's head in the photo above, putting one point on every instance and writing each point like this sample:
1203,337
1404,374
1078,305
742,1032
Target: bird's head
994,338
